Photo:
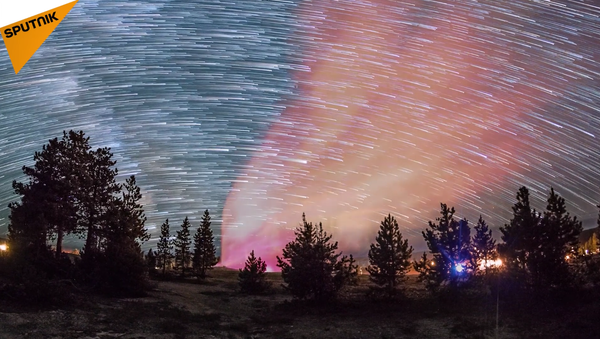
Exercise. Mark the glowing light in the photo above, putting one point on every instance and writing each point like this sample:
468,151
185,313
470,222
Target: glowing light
460,268
567,257
432,263
3,247
490,263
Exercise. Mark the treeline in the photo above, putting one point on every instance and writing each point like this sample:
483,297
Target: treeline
71,190
540,251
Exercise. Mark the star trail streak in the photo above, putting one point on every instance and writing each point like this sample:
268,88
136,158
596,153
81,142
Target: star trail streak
345,110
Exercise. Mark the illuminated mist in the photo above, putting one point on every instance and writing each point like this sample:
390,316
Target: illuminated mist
402,106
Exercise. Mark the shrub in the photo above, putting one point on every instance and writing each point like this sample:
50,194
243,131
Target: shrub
252,277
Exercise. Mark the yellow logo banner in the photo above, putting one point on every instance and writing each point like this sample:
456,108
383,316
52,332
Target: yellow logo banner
23,38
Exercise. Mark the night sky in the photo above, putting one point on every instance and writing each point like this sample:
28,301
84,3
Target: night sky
346,110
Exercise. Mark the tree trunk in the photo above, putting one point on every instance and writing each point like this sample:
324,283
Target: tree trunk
59,240
89,239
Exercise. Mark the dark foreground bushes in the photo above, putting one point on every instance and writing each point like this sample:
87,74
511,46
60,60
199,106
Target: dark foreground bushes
30,286
72,191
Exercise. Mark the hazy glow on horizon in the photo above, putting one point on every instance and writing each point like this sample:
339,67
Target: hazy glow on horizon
346,110
403,106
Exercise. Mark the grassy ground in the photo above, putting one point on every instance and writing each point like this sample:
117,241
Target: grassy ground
214,309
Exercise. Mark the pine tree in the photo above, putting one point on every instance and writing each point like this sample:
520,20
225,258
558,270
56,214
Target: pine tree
348,272
182,248
205,253
558,237
127,219
131,218
164,247
429,272
51,189
311,266
252,277
72,189
389,256
95,177
537,246
151,261
520,237
483,247
119,261
448,241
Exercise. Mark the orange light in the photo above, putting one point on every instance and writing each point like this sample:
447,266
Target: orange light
3,247
490,263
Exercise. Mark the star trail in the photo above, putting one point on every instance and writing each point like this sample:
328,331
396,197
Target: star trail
346,110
